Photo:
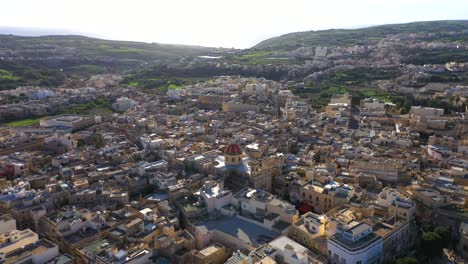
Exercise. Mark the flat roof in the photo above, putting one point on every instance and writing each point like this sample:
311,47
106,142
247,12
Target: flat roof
96,246
35,248
355,245
282,241
210,250
67,118
248,232
62,259
357,229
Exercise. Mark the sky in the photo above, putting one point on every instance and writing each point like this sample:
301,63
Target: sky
214,23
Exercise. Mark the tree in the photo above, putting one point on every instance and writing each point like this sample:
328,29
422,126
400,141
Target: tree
301,172
97,140
431,244
316,157
407,260
444,233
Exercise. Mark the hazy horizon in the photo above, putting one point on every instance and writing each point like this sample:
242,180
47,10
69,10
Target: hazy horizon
239,24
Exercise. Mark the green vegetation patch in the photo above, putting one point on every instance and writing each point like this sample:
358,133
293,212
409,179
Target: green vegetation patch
24,122
255,55
132,84
13,75
359,82
359,76
173,86
97,107
321,97
405,102
259,58
147,81
88,68
6,75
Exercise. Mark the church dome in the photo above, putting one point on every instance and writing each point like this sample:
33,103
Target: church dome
233,149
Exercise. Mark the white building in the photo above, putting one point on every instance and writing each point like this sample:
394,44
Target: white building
176,93
355,244
66,140
151,142
263,205
372,107
291,251
20,169
396,204
162,179
425,112
124,103
73,122
215,196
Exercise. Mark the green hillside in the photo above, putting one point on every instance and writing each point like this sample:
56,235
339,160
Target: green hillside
85,46
369,35
48,60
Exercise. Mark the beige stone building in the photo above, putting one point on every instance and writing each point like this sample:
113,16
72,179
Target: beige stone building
16,239
214,254
323,197
311,231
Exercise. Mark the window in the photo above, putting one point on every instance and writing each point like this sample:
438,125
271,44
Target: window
316,198
358,262
336,257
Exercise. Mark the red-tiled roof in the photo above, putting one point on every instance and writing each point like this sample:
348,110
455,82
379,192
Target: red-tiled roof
233,149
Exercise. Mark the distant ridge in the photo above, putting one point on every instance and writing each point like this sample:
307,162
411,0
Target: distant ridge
36,32
372,34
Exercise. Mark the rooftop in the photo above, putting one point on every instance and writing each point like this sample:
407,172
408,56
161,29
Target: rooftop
81,235
62,259
355,245
239,228
96,246
237,258
283,241
210,250
22,253
65,118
